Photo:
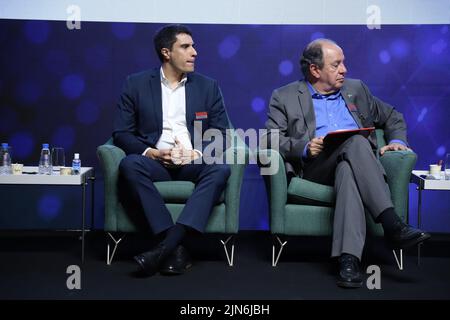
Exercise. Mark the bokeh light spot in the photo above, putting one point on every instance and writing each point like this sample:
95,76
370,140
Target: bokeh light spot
317,35
400,48
37,31
49,207
440,151
439,46
258,104
123,31
22,144
72,86
384,56
285,67
229,47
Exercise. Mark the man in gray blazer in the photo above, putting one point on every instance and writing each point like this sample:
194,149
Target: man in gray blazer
304,112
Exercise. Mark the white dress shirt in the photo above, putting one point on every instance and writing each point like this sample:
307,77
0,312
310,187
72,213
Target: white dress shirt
173,116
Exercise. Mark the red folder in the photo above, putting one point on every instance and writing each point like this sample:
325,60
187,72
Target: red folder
339,136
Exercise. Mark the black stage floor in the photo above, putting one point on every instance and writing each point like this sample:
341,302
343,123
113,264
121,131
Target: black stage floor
33,265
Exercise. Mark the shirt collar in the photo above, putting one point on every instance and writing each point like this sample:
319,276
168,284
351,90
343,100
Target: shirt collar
166,82
317,95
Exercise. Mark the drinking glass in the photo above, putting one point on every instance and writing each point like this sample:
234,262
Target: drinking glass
58,158
447,167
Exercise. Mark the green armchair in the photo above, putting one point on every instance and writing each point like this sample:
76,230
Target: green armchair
306,208
224,218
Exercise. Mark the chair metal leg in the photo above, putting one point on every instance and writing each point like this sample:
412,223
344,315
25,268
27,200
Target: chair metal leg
282,244
399,263
418,253
116,243
230,257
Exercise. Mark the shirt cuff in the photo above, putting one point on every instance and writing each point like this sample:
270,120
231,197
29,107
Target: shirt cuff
398,141
305,152
198,152
143,153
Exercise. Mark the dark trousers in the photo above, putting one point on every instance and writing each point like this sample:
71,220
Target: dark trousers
139,173
360,185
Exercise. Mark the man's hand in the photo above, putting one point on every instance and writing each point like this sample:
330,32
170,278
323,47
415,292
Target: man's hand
162,156
393,147
315,146
180,155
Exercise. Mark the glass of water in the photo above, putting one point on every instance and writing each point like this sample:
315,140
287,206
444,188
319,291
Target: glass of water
447,166
58,158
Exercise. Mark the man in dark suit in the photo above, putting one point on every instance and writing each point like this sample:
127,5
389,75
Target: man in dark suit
304,112
154,125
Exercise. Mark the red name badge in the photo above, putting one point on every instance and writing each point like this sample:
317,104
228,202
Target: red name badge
201,115
352,107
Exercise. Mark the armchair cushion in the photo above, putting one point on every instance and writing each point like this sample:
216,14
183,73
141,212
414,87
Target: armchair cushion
303,191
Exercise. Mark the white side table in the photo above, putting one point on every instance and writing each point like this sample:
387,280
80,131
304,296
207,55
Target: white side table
30,176
418,177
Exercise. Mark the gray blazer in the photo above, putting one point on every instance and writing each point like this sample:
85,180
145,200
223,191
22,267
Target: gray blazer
291,111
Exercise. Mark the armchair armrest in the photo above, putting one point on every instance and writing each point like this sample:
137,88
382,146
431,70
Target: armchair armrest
276,186
398,166
238,154
110,157
232,197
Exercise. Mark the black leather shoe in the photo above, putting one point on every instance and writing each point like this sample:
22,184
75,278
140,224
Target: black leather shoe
349,273
406,236
177,263
150,261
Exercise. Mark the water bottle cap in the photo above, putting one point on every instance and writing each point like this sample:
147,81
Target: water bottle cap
76,156
4,145
45,145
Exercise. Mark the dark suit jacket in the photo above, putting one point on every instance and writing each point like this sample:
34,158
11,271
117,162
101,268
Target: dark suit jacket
138,121
291,111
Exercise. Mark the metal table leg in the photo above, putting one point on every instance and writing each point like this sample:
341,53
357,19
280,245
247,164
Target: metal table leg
92,179
419,209
83,185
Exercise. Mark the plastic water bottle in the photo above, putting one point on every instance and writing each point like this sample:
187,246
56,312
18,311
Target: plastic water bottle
76,164
45,162
6,167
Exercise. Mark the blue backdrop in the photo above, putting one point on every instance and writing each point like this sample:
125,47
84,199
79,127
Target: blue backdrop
60,86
